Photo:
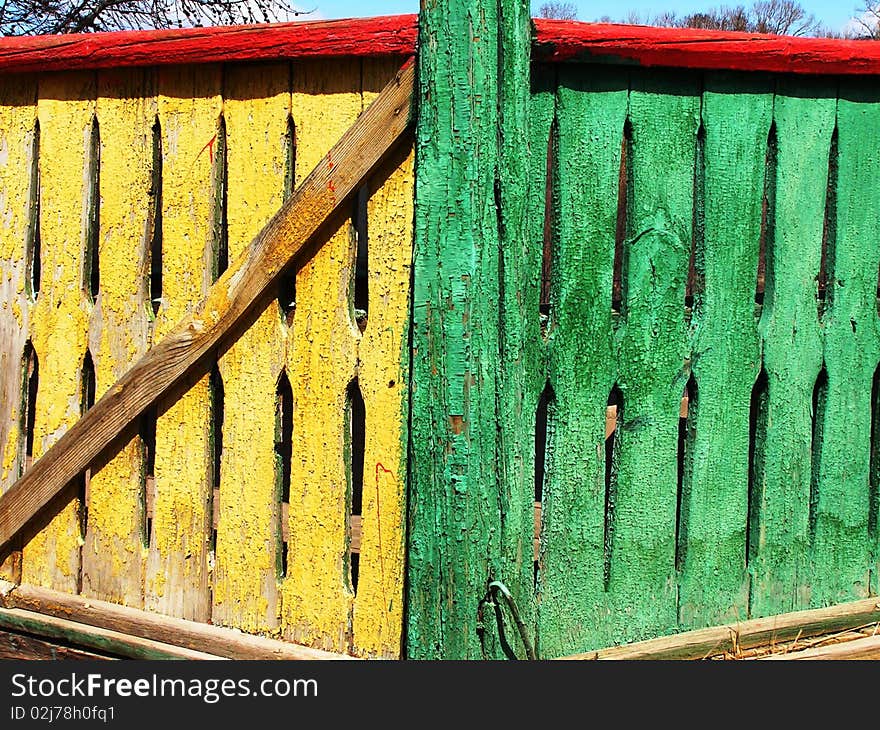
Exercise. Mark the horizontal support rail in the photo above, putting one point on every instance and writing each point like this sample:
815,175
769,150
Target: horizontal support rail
185,636
704,643
395,35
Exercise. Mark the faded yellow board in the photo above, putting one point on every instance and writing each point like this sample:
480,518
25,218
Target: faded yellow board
66,107
256,109
18,115
113,553
383,377
178,580
317,600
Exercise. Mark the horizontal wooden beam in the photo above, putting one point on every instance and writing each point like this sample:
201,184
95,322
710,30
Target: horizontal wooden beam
704,643
395,35
867,648
565,40
189,635
92,637
196,340
14,645
385,36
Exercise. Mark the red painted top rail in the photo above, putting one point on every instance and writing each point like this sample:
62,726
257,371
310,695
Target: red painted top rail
561,40
395,35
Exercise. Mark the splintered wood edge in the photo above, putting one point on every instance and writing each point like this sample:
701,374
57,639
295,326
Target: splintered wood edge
705,643
183,635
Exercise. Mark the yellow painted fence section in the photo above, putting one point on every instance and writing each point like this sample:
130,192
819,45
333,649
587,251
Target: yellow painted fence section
269,495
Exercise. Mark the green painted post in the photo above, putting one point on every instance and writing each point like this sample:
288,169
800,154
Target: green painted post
465,516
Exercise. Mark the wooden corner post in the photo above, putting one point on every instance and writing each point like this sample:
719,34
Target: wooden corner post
471,591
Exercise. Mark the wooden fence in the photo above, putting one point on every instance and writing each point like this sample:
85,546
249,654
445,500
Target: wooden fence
624,366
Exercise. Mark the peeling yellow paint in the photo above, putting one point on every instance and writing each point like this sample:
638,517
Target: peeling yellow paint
256,109
113,564
18,115
178,575
66,106
321,363
383,379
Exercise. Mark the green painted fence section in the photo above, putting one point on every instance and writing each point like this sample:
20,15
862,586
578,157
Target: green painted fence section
713,247
761,502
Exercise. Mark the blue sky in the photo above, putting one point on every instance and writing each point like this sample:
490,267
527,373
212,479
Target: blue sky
834,13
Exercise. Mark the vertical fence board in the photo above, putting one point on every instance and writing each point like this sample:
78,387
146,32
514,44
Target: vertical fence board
18,116
317,598
256,106
591,110
522,279
841,550
792,348
178,576
51,556
652,368
520,360
384,380
113,553
726,359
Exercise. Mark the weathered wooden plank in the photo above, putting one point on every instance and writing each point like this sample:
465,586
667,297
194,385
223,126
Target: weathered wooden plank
713,584
383,375
256,108
591,111
228,303
862,649
521,373
66,106
18,209
841,551
653,354
454,540
392,35
113,557
92,637
789,327
322,361
22,646
741,635
697,48
178,579
216,640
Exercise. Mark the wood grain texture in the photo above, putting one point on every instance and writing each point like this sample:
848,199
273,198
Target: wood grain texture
574,607
190,635
19,646
228,302
841,549
792,350
90,637
855,649
66,106
256,106
18,115
560,40
713,584
392,35
113,555
455,491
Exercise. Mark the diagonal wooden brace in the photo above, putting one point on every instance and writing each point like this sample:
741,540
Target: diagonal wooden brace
228,302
